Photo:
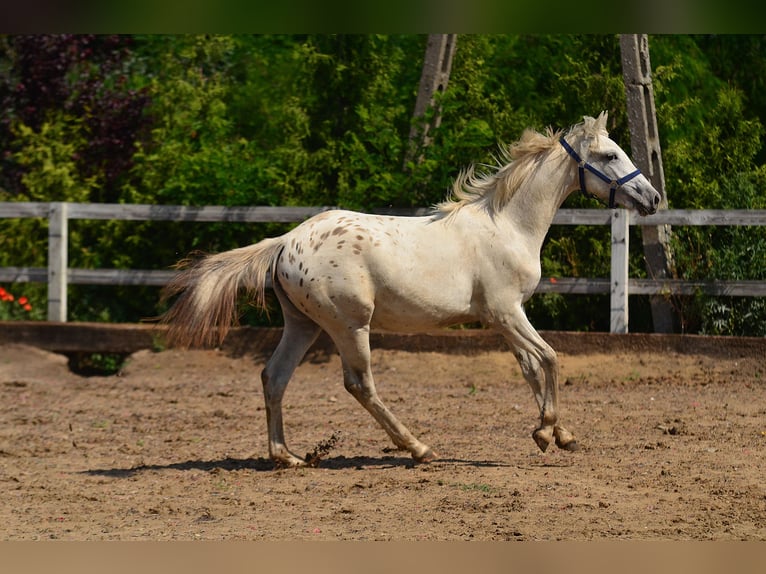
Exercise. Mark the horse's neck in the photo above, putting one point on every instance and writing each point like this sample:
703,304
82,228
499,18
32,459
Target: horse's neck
533,206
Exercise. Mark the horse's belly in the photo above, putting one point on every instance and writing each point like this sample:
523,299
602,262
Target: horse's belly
412,323
419,311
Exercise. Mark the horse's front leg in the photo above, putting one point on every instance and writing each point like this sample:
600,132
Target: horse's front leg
539,366
549,430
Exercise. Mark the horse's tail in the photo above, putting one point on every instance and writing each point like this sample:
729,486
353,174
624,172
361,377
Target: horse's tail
208,289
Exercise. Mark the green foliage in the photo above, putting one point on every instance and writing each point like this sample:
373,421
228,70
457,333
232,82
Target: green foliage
726,253
712,142
47,156
98,365
325,120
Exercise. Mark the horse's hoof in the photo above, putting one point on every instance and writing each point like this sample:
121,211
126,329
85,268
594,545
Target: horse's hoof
565,440
542,438
289,461
426,457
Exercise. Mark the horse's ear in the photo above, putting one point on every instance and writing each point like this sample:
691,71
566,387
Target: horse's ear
595,125
589,134
601,121
592,128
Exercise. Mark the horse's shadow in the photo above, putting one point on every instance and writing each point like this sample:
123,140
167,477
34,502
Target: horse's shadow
264,464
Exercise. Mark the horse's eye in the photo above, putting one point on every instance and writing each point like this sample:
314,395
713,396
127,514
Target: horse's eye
611,157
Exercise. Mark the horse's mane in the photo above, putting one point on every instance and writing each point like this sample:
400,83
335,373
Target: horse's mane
514,165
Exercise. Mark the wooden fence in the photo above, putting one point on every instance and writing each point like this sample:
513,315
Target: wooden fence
57,275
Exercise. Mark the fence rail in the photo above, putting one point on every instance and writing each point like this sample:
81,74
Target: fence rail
58,275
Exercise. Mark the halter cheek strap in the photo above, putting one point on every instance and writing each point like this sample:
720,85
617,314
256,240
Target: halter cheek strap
582,166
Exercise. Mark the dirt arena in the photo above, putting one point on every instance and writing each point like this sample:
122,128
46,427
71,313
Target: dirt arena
673,446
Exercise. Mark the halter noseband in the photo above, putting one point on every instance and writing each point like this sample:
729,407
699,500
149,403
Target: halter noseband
582,166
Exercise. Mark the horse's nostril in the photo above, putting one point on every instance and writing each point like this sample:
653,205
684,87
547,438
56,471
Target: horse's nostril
656,199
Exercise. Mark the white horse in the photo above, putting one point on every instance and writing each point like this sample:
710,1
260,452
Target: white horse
476,258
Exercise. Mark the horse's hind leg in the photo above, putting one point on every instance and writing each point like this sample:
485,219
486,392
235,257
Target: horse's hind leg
539,365
354,348
298,335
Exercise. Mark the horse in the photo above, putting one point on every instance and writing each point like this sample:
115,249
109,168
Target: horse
474,258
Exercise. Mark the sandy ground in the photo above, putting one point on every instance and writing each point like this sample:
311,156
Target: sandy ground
174,448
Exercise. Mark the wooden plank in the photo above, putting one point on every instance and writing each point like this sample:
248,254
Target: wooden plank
582,217
563,285
696,217
132,337
573,285
156,278
23,209
214,213
687,287
82,337
24,274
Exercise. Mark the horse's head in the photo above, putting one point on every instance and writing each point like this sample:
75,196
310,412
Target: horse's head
605,171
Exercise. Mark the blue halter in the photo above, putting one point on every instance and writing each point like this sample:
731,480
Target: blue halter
582,166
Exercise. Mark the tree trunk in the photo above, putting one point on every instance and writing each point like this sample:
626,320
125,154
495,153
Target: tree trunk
645,147
437,65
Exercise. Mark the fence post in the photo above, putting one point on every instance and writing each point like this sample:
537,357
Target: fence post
58,260
618,321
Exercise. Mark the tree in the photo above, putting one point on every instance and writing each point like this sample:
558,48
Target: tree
77,87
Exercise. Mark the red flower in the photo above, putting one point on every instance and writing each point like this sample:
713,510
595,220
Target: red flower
23,301
27,307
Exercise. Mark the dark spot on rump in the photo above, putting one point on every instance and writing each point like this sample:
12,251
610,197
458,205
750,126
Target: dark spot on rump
339,231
